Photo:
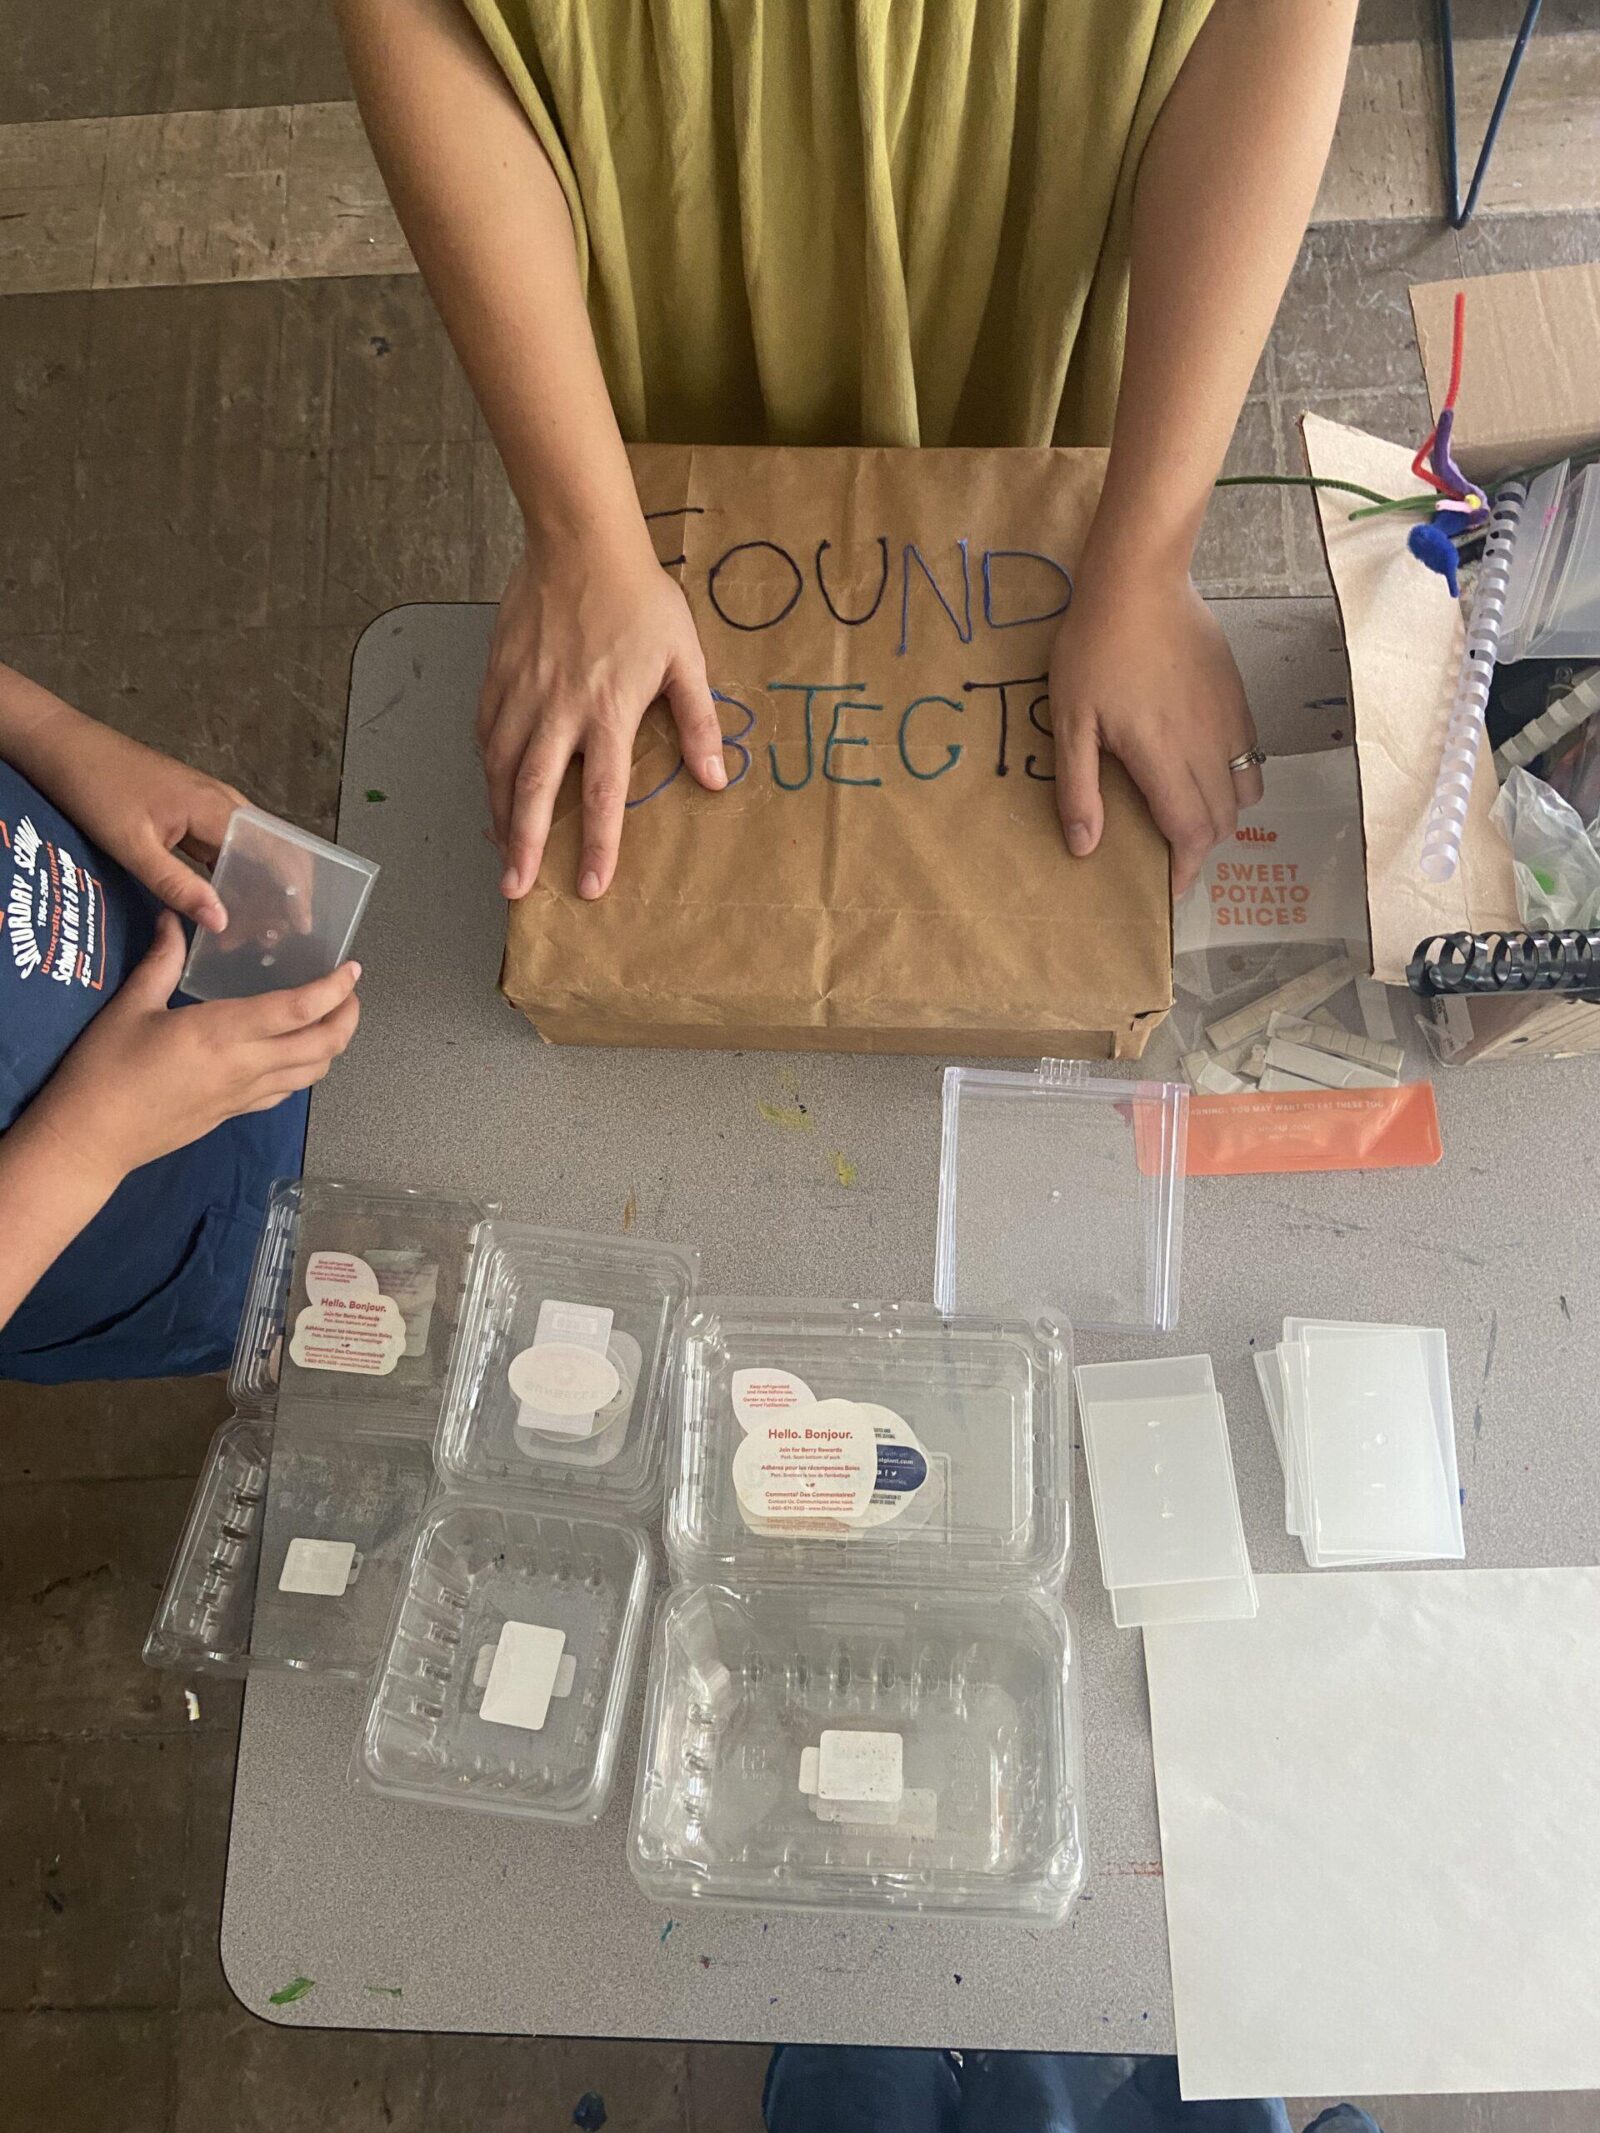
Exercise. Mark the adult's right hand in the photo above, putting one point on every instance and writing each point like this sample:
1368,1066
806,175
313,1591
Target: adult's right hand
584,644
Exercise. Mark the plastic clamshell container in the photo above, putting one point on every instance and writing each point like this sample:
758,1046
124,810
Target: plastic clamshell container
618,1297
975,1696
372,1343
491,1579
202,1620
1166,1507
1061,1197
293,904
1369,1421
986,1426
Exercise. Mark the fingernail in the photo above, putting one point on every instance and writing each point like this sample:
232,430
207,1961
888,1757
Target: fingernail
1080,840
589,886
508,884
716,771
355,973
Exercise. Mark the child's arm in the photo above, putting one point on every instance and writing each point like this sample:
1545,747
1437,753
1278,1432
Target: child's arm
1225,189
144,1079
591,630
135,803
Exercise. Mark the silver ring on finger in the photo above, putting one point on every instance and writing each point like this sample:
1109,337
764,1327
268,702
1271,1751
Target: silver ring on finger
1252,759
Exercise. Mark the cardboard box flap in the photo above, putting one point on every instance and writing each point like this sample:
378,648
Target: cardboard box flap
1530,378
886,869
1403,637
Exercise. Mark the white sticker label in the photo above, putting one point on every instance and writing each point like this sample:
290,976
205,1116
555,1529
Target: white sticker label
759,1393
522,1676
819,1462
914,1814
413,1282
319,1566
566,1672
860,1767
564,1379
348,1325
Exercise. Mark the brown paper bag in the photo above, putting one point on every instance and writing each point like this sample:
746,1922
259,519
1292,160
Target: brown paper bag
886,870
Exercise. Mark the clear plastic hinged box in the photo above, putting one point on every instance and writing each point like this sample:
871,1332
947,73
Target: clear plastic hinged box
881,1443
1061,1197
304,1514
293,904
862,1749
559,1383
506,1678
863,1696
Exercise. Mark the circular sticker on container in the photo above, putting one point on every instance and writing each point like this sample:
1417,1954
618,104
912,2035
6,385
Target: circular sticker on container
338,1274
759,1393
559,1378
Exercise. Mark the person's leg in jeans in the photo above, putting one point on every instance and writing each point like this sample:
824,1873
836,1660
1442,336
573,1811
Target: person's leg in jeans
1084,2092
841,2088
1343,2118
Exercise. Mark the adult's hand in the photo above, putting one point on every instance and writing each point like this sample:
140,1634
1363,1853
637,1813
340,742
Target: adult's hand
1139,668
584,644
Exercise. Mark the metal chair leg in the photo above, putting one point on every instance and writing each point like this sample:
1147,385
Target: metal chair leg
1461,214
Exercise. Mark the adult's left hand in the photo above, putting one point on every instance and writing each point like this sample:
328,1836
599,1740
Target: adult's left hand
1140,668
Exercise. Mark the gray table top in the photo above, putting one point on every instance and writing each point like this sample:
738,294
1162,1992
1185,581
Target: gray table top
521,1926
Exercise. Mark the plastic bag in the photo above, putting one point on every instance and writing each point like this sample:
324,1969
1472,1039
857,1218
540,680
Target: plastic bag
1555,859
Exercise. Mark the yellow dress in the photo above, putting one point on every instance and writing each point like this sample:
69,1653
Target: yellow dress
899,222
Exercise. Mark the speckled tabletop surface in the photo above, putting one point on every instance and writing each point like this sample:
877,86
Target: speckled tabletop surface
494,1925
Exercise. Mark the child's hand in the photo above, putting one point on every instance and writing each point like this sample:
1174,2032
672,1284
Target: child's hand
145,1078
1140,667
582,649
137,804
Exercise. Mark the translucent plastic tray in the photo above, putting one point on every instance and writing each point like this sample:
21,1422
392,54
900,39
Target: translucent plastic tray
372,1343
971,1484
341,1510
202,1621
1061,1197
971,1707
486,1584
584,1317
1553,590
293,904
1166,1508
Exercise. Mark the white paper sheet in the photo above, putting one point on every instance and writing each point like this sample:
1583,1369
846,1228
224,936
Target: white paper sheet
1380,1829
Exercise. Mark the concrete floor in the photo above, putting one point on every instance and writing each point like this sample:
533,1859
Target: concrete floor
206,491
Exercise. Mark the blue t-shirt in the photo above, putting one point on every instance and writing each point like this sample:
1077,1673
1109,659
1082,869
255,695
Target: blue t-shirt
155,1284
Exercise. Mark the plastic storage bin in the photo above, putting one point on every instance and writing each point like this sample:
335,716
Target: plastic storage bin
506,1679
1552,607
969,1479
559,1384
1061,1197
858,1749
293,905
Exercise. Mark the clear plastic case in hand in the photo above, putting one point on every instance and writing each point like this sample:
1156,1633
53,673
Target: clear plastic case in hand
1061,1197
507,1675
559,1384
293,904
973,1459
969,1769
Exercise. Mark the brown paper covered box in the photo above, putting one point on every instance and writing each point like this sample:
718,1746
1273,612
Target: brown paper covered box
886,872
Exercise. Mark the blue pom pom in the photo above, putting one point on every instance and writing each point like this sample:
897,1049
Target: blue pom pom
1430,544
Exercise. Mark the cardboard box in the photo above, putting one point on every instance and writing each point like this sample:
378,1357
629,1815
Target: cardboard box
1530,391
886,871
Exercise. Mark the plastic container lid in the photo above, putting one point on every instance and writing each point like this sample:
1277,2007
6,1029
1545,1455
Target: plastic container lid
1061,1197
850,1750
293,905
1166,1508
507,1672
559,1383
353,1298
1371,1432
878,1442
